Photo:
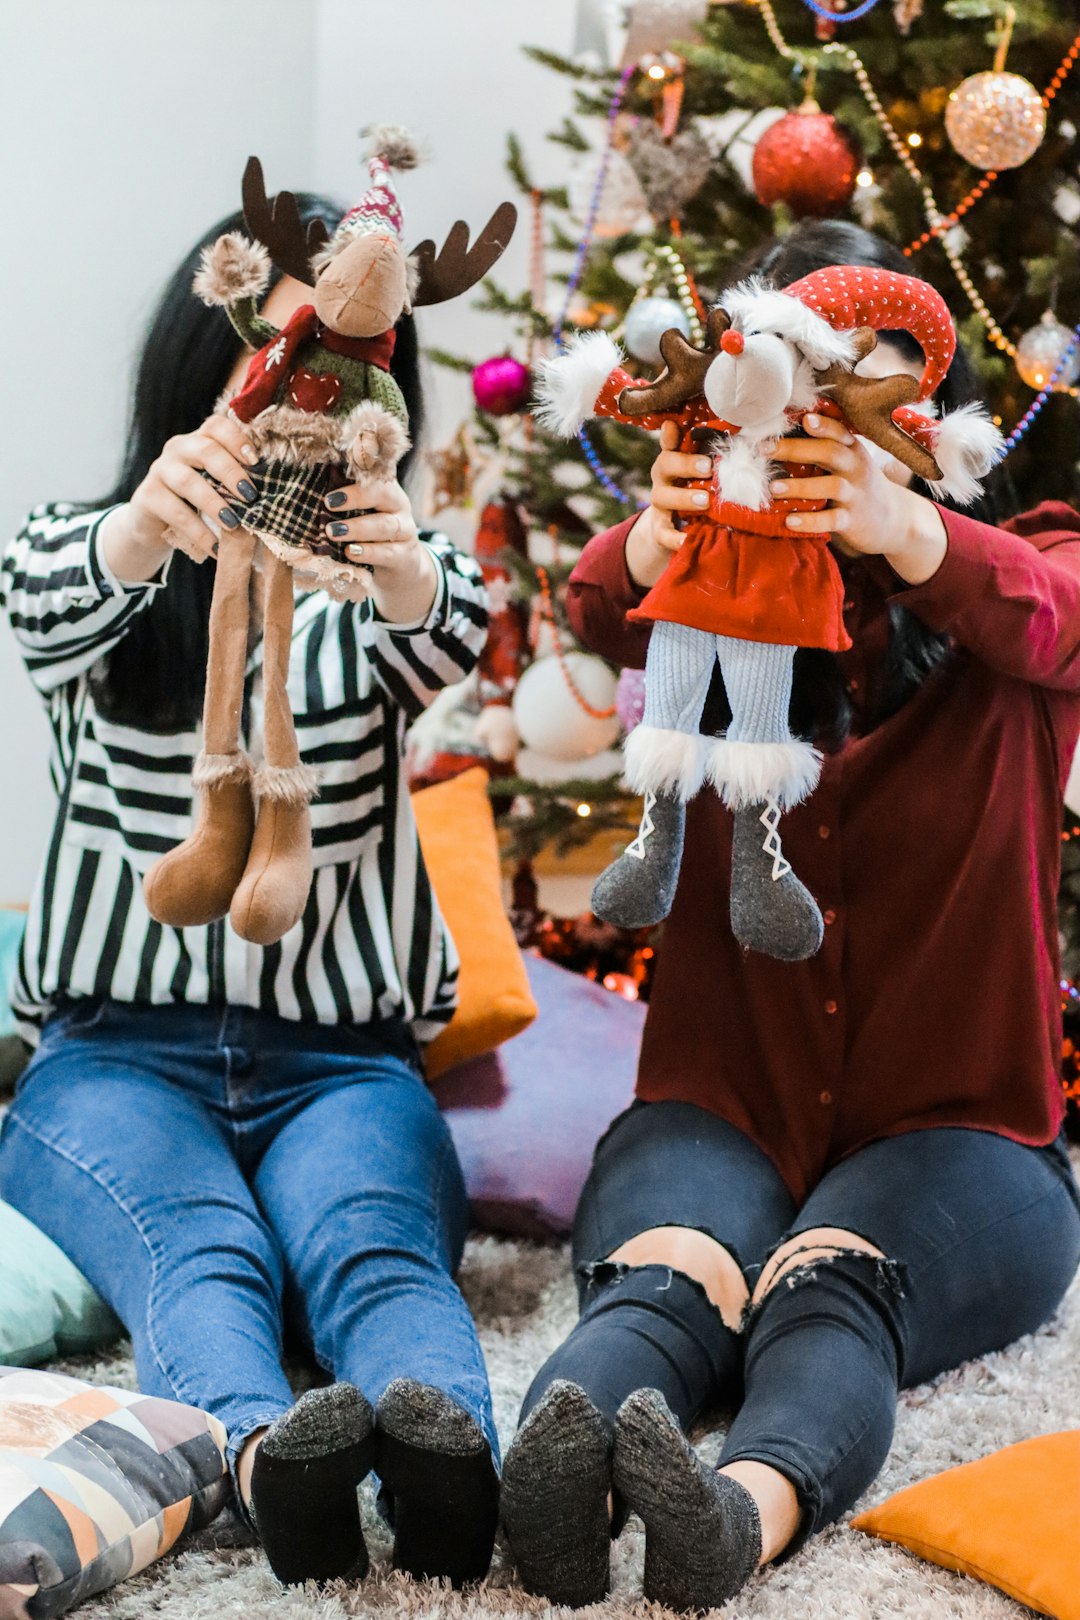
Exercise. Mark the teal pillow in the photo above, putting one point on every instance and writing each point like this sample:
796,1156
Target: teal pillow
47,1307
12,924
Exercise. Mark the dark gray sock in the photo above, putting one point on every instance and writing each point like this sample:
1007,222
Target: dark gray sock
777,916
637,890
440,1481
702,1530
556,1481
303,1487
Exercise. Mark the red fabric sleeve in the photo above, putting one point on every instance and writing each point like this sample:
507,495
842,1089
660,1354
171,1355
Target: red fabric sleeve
1010,596
599,596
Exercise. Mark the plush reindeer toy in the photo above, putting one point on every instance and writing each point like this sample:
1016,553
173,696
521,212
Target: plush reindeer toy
322,410
743,589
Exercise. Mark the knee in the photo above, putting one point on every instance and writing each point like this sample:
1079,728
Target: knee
696,1255
817,1246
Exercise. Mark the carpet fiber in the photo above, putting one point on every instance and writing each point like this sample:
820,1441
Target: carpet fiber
523,1300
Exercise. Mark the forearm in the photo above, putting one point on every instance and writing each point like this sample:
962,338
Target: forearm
601,592
408,598
133,553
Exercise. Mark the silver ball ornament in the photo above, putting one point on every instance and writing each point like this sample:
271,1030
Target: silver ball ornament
995,120
1039,353
646,323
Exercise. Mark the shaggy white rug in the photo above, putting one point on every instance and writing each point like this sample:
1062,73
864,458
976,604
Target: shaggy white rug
523,1300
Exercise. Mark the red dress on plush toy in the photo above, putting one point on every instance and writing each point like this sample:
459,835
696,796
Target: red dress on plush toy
743,590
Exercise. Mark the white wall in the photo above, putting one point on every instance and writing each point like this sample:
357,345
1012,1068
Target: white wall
125,125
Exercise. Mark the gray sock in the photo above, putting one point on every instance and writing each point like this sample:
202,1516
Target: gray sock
423,1416
637,890
777,916
556,1481
702,1529
321,1422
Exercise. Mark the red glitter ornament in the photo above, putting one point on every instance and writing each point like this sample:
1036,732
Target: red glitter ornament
501,385
807,161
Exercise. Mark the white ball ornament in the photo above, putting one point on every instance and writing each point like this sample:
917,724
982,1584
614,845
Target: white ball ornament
549,718
646,323
1039,353
622,200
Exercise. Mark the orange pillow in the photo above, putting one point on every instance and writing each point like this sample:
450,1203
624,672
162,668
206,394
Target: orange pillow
1011,1519
461,852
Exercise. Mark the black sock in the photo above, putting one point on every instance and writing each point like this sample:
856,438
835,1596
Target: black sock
441,1483
555,1489
303,1487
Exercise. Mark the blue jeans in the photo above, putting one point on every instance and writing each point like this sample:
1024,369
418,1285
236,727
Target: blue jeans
981,1238
209,1169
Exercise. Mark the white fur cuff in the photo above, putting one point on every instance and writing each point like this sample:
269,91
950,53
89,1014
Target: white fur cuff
966,446
213,768
659,761
570,384
287,784
746,773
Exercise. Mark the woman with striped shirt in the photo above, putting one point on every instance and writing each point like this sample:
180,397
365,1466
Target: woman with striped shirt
222,1135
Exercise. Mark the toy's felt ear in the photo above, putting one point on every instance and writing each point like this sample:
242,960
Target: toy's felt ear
276,223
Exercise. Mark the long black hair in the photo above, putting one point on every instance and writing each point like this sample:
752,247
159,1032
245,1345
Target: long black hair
820,705
155,676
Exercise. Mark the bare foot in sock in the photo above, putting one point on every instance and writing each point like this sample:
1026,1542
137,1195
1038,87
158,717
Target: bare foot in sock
303,1487
702,1529
440,1481
555,1498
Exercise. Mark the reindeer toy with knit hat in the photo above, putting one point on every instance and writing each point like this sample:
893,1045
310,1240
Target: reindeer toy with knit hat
321,409
744,590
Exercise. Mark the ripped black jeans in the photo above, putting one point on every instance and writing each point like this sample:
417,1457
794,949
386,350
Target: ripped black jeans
981,1238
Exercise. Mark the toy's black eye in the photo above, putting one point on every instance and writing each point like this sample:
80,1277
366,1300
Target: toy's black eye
753,332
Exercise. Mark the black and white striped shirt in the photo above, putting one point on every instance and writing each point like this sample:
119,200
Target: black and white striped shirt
371,943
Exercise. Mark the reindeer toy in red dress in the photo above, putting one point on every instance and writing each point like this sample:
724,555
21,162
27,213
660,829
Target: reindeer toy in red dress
744,589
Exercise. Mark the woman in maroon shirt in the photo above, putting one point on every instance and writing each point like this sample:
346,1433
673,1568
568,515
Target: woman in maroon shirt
875,1129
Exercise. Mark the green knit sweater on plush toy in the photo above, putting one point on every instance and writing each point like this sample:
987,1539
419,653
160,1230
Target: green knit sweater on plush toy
358,380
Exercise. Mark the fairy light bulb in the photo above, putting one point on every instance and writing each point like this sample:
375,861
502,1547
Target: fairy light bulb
584,810
864,178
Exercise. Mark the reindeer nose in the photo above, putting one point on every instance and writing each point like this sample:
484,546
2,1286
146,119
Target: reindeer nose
732,342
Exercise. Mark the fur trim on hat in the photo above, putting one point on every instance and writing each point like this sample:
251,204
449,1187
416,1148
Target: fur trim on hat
571,383
287,784
374,441
966,446
396,145
754,306
230,269
746,773
210,769
656,760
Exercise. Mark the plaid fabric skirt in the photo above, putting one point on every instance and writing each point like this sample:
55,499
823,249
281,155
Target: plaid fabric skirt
291,505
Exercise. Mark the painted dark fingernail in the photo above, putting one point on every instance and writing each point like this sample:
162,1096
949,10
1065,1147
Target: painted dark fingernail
247,490
229,518
335,498
337,530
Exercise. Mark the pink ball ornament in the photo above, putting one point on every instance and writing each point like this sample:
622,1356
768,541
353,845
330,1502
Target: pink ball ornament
630,699
501,385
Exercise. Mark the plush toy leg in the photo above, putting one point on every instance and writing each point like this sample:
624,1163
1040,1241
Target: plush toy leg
194,884
760,770
665,762
273,893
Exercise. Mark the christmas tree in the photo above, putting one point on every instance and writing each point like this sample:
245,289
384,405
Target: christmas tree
699,130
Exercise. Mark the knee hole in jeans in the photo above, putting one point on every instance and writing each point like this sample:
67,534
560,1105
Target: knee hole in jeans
798,1257
698,1256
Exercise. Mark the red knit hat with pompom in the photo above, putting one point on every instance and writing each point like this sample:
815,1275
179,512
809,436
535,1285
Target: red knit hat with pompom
850,295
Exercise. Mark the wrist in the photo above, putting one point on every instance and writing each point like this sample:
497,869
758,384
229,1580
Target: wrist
409,598
133,552
924,540
646,558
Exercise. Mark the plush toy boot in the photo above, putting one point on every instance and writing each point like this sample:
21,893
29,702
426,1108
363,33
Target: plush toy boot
638,889
194,884
274,888
771,911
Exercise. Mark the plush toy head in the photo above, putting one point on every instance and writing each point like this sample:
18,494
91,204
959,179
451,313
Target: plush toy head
363,272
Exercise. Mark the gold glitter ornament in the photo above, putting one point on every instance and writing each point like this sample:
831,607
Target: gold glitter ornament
1039,353
995,120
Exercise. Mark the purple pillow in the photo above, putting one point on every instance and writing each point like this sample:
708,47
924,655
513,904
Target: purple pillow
525,1118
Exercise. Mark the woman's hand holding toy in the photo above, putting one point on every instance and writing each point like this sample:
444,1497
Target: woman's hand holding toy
654,536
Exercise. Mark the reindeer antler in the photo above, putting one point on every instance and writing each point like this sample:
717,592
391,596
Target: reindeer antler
683,376
868,404
457,266
276,223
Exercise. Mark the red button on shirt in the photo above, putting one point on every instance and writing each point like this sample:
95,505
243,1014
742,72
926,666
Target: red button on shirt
830,916
951,811
830,1006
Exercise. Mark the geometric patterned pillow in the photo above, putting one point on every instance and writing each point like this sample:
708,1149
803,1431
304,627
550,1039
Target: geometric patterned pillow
95,1484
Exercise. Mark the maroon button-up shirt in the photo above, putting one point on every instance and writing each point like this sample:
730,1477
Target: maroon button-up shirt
932,844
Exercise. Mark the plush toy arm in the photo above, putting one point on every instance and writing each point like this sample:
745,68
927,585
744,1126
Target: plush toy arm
233,274
571,383
965,444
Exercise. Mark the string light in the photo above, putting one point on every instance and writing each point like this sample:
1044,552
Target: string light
839,16
865,177
1036,406
584,811
914,139
547,613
